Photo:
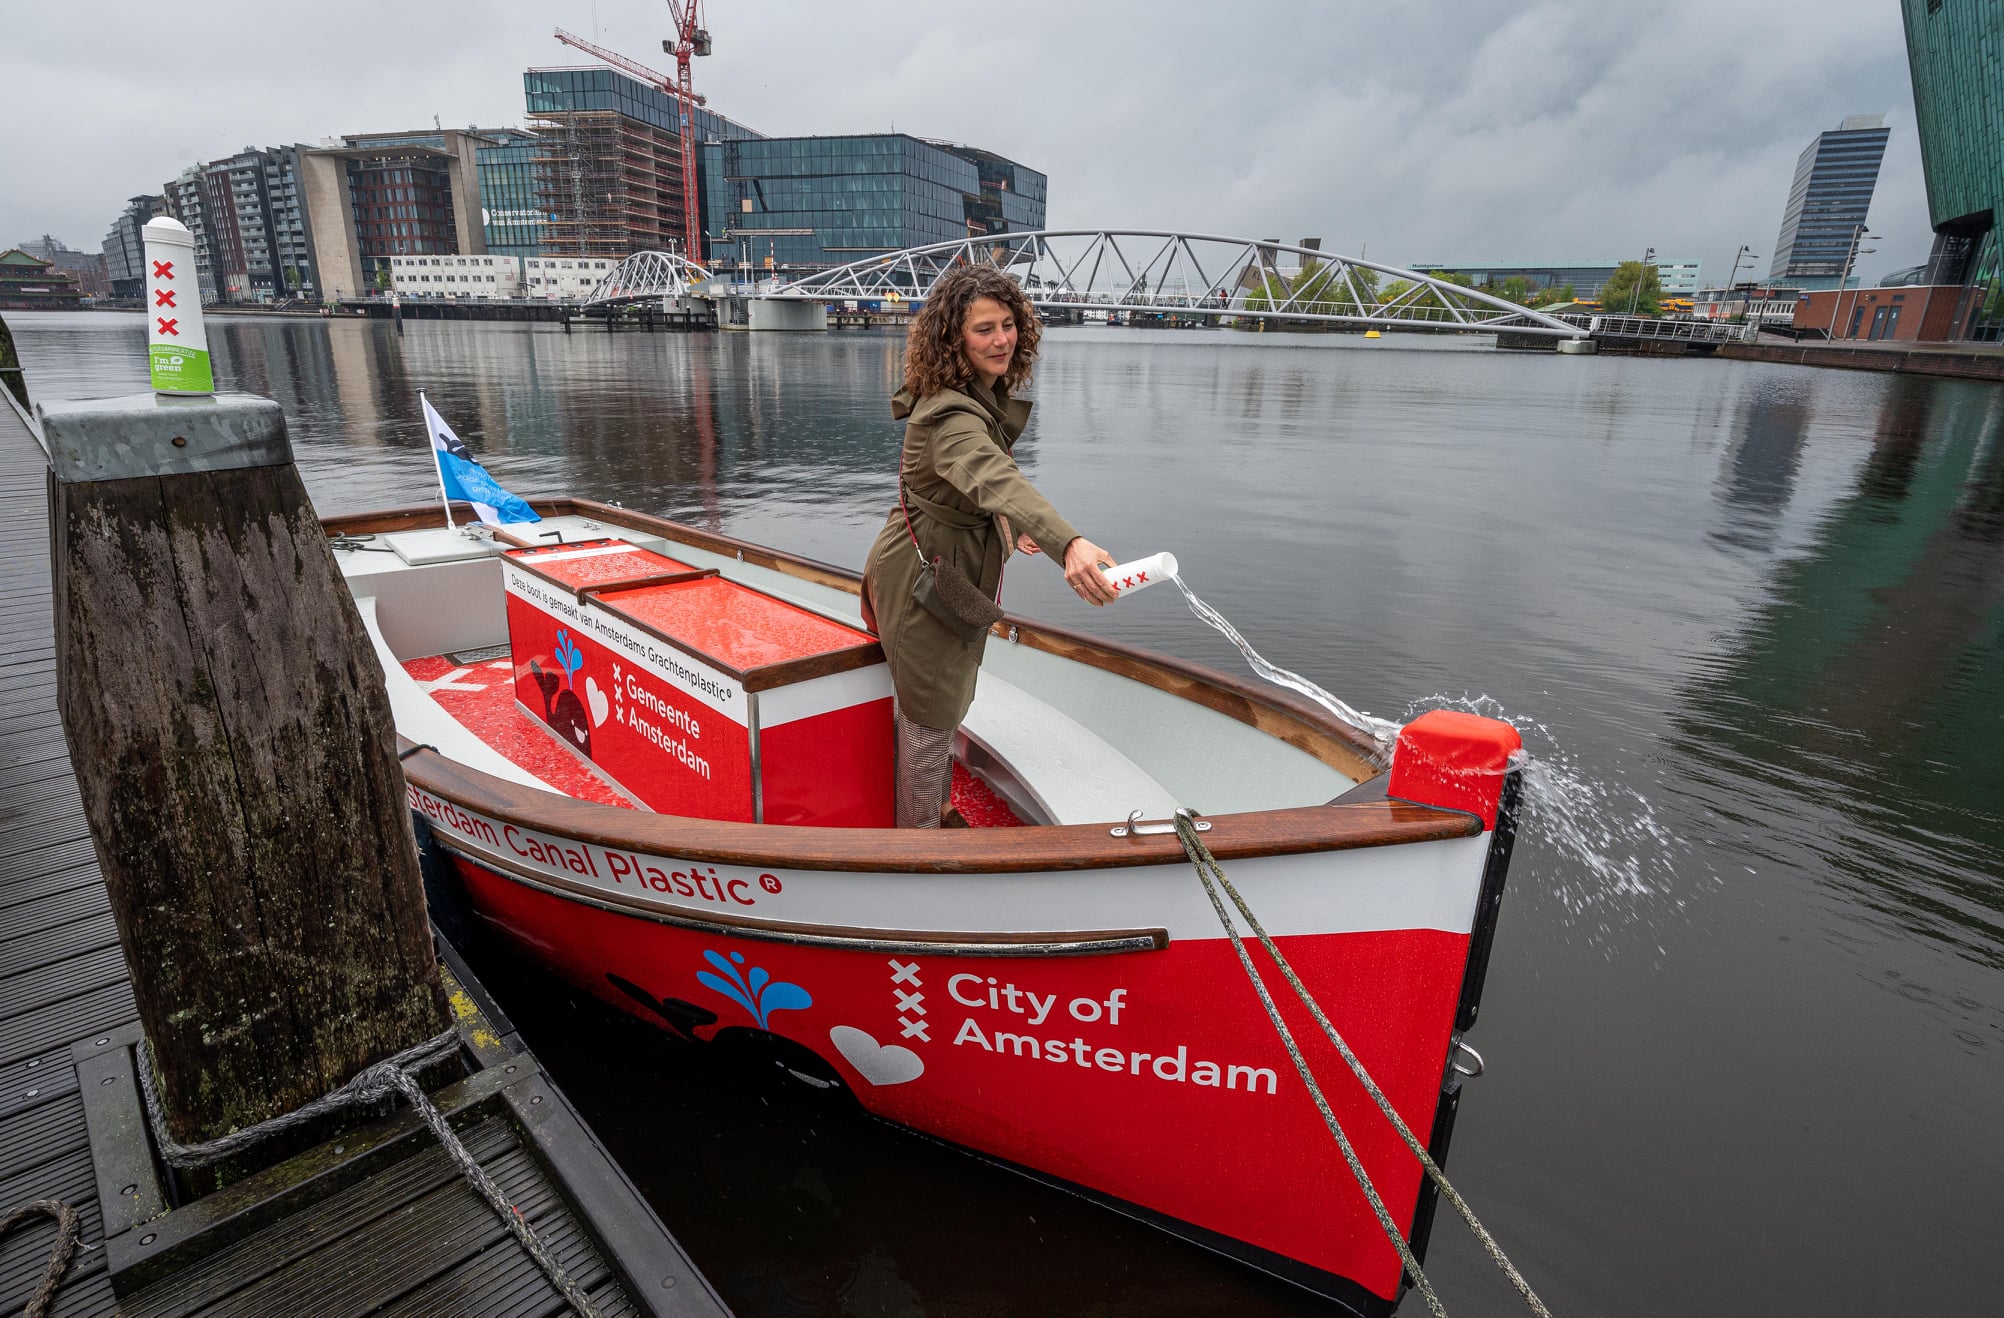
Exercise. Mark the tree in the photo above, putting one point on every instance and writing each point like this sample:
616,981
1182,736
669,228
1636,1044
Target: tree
1633,289
1263,296
1317,289
1427,301
1325,290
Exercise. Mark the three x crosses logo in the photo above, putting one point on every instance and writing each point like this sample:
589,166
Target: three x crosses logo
164,297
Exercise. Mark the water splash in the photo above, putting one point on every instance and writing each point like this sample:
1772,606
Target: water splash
1600,849
1598,844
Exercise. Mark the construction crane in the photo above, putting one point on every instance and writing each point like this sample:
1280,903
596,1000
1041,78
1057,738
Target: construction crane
690,40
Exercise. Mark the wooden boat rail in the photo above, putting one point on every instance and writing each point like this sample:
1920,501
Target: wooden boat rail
1292,720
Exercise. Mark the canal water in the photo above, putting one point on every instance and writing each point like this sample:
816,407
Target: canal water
1745,1020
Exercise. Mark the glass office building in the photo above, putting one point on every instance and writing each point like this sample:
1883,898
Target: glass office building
125,246
1827,203
1012,195
609,171
792,205
511,215
1677,278
1952,49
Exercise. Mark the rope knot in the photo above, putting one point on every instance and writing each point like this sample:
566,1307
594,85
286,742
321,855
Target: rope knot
376,1082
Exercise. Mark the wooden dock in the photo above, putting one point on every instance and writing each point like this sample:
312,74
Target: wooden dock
394,1230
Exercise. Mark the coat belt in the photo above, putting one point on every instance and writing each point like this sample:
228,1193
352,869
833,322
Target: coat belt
950,517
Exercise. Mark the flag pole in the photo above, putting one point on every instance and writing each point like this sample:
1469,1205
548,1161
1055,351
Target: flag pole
437,464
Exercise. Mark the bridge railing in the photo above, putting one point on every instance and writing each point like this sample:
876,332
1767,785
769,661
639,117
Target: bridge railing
1209,305
1648,327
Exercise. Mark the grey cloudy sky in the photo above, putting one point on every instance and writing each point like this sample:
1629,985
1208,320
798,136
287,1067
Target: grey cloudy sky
1431,130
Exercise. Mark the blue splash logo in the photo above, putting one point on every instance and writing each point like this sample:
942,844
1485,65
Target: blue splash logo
568,656
759,993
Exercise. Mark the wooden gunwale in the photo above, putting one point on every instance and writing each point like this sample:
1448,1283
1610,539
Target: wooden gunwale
1300,724
946,941
1051,847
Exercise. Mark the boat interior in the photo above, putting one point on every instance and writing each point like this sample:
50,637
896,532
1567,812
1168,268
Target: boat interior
1064,729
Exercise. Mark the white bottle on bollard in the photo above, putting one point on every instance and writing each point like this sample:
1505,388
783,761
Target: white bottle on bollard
177,343
1141,573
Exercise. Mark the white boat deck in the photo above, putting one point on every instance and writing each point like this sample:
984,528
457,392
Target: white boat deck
1063,742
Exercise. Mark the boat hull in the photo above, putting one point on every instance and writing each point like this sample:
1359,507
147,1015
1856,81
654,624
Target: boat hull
1059,998
1130,1059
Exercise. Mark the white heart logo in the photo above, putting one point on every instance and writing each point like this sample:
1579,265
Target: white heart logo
880,1064
596,699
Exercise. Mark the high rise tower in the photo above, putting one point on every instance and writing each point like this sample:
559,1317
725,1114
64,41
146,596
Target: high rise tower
1960,115
1828,201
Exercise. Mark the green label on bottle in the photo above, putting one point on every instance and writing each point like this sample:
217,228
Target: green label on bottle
180,370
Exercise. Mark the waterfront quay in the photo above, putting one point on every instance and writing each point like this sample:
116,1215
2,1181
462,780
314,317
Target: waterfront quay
376,1219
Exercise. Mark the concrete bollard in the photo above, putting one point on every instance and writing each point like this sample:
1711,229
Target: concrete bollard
236,753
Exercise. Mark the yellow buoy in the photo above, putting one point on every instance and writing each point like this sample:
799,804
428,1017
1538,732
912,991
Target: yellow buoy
1373,334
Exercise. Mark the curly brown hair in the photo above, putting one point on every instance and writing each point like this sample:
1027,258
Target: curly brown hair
934,357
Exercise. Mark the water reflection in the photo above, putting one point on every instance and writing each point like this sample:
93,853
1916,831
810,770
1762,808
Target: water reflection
1905,423
1864,700
1757,473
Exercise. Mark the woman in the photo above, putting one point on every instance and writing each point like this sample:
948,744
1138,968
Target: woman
963,505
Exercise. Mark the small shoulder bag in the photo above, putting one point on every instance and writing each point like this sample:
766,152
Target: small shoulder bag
945,592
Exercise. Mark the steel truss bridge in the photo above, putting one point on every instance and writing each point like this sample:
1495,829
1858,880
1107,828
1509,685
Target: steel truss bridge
644,277
1188,276
1171,276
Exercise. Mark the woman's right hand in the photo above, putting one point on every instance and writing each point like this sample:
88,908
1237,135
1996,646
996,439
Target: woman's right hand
1082,563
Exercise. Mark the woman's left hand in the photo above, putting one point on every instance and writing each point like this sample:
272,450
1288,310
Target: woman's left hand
1083,560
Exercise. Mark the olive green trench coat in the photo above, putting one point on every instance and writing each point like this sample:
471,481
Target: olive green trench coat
959,478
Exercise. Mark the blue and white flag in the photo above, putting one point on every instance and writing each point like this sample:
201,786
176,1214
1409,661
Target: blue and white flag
460,477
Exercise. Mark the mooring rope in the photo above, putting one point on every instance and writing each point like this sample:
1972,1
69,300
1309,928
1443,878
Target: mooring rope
392,1075
1200,856
68,1229
1207,867
368,1086
476,1175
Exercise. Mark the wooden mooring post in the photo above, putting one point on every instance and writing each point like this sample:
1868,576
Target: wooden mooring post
236,753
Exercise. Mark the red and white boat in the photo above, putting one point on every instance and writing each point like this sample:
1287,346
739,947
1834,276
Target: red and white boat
659,761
